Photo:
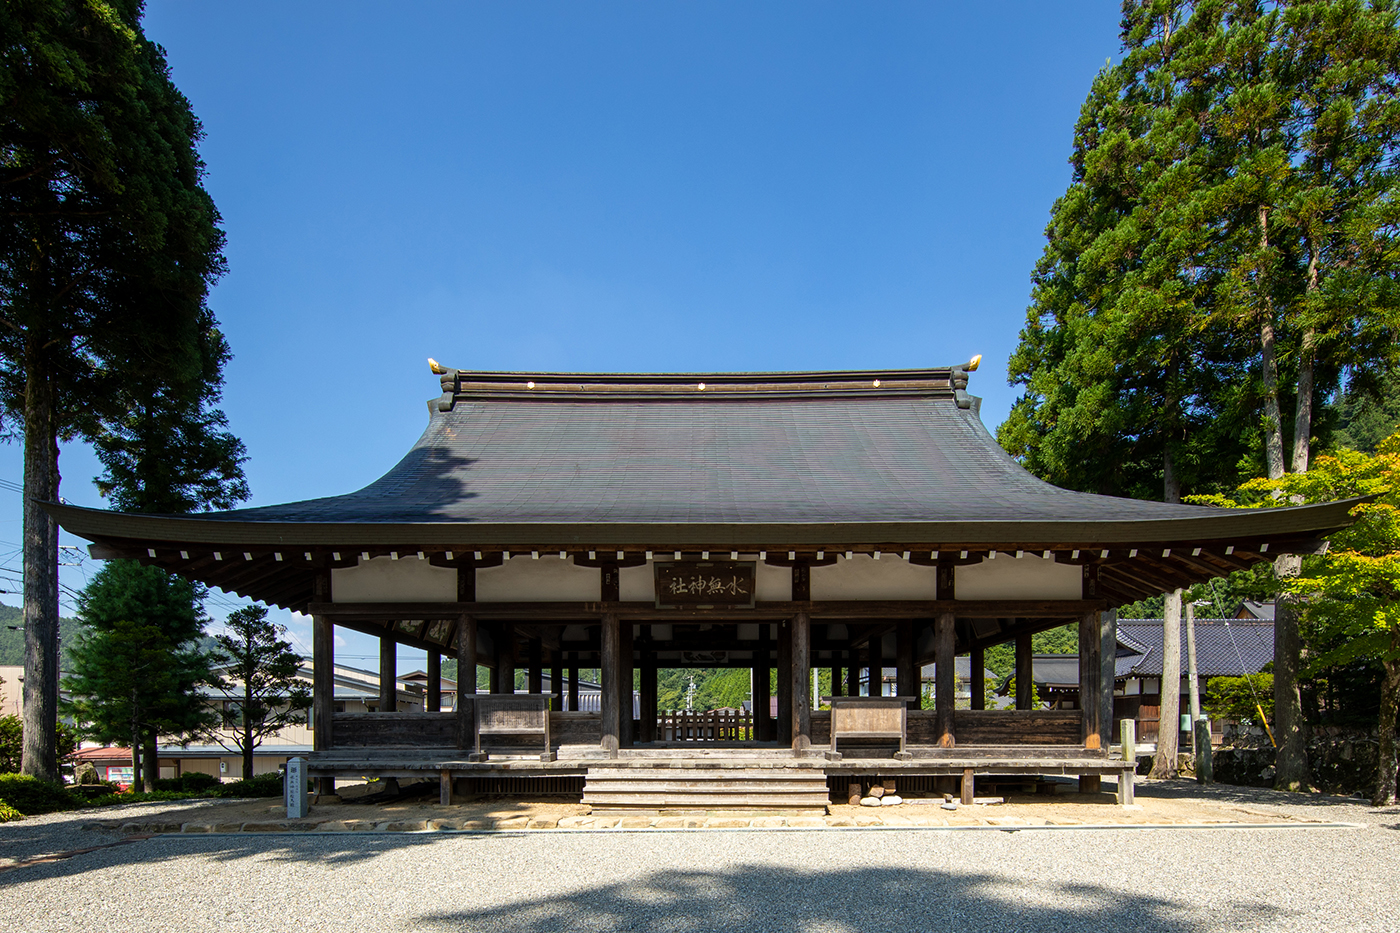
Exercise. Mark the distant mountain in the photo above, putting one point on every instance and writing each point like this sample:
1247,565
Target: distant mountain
12,635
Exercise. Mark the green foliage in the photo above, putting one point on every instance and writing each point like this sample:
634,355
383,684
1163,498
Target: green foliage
264,785
130,797
1001,659
11,738
32,796
1239,698
191,782
138,667
259,675
9,814
1229,236
109,244
1367,414
12,642
1351,595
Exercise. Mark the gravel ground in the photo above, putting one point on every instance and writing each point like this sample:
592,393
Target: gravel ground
1312,879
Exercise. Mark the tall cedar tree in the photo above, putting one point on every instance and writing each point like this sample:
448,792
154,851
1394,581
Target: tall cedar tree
1236,173
258,679
108,246
138,666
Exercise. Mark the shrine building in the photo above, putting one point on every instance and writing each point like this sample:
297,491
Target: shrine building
846,521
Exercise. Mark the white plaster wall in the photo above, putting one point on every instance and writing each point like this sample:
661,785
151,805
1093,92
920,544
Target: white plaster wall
385,580
637,584
773,584
864,577
545,579
1027,577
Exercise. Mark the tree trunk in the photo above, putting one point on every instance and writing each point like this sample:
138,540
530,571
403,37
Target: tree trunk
1171,483
1273,417
135,745
39,757
1302,419
247,725
150,766
1292,760
1169,719
1390,705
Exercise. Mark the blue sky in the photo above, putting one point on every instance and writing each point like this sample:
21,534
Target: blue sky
604,187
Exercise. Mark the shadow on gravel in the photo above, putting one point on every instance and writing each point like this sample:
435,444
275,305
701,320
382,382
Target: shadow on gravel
761,898
329,848
1184,788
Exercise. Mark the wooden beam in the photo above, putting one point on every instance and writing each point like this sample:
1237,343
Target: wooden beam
801,681
466,681
906,670
535,674
763,687
1025,682
553,613
388,674
503,636
1090,680
945,684
647,725
978,664
626,694
611,724
784,729
322,682
432,701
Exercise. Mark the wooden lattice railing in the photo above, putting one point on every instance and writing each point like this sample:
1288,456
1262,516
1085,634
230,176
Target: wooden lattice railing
716,725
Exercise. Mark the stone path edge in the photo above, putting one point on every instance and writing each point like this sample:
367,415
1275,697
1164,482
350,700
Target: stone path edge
1095,827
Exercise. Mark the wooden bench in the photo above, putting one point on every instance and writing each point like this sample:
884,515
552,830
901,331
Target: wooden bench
870,718
513,714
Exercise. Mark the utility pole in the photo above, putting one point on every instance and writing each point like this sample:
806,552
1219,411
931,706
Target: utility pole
1200,726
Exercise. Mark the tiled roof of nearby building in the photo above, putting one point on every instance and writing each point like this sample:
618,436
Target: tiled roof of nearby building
1224,647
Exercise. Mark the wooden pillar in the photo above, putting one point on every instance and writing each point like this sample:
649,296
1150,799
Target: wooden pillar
505,659
835,676
556,682
432,703
388,674
610,663
763,688
907,672
626,690
1108,653
1091,680
852,673
875,668
784,730
945,684
1025,685
535,681
466,678
573,681
647,730
978,664
323,683
801,682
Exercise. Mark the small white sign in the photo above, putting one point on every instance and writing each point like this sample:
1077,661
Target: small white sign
294,790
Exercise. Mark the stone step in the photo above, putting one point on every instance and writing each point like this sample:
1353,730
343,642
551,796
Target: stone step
757,786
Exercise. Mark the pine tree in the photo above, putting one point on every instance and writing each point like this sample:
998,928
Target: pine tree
138,667
259,682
